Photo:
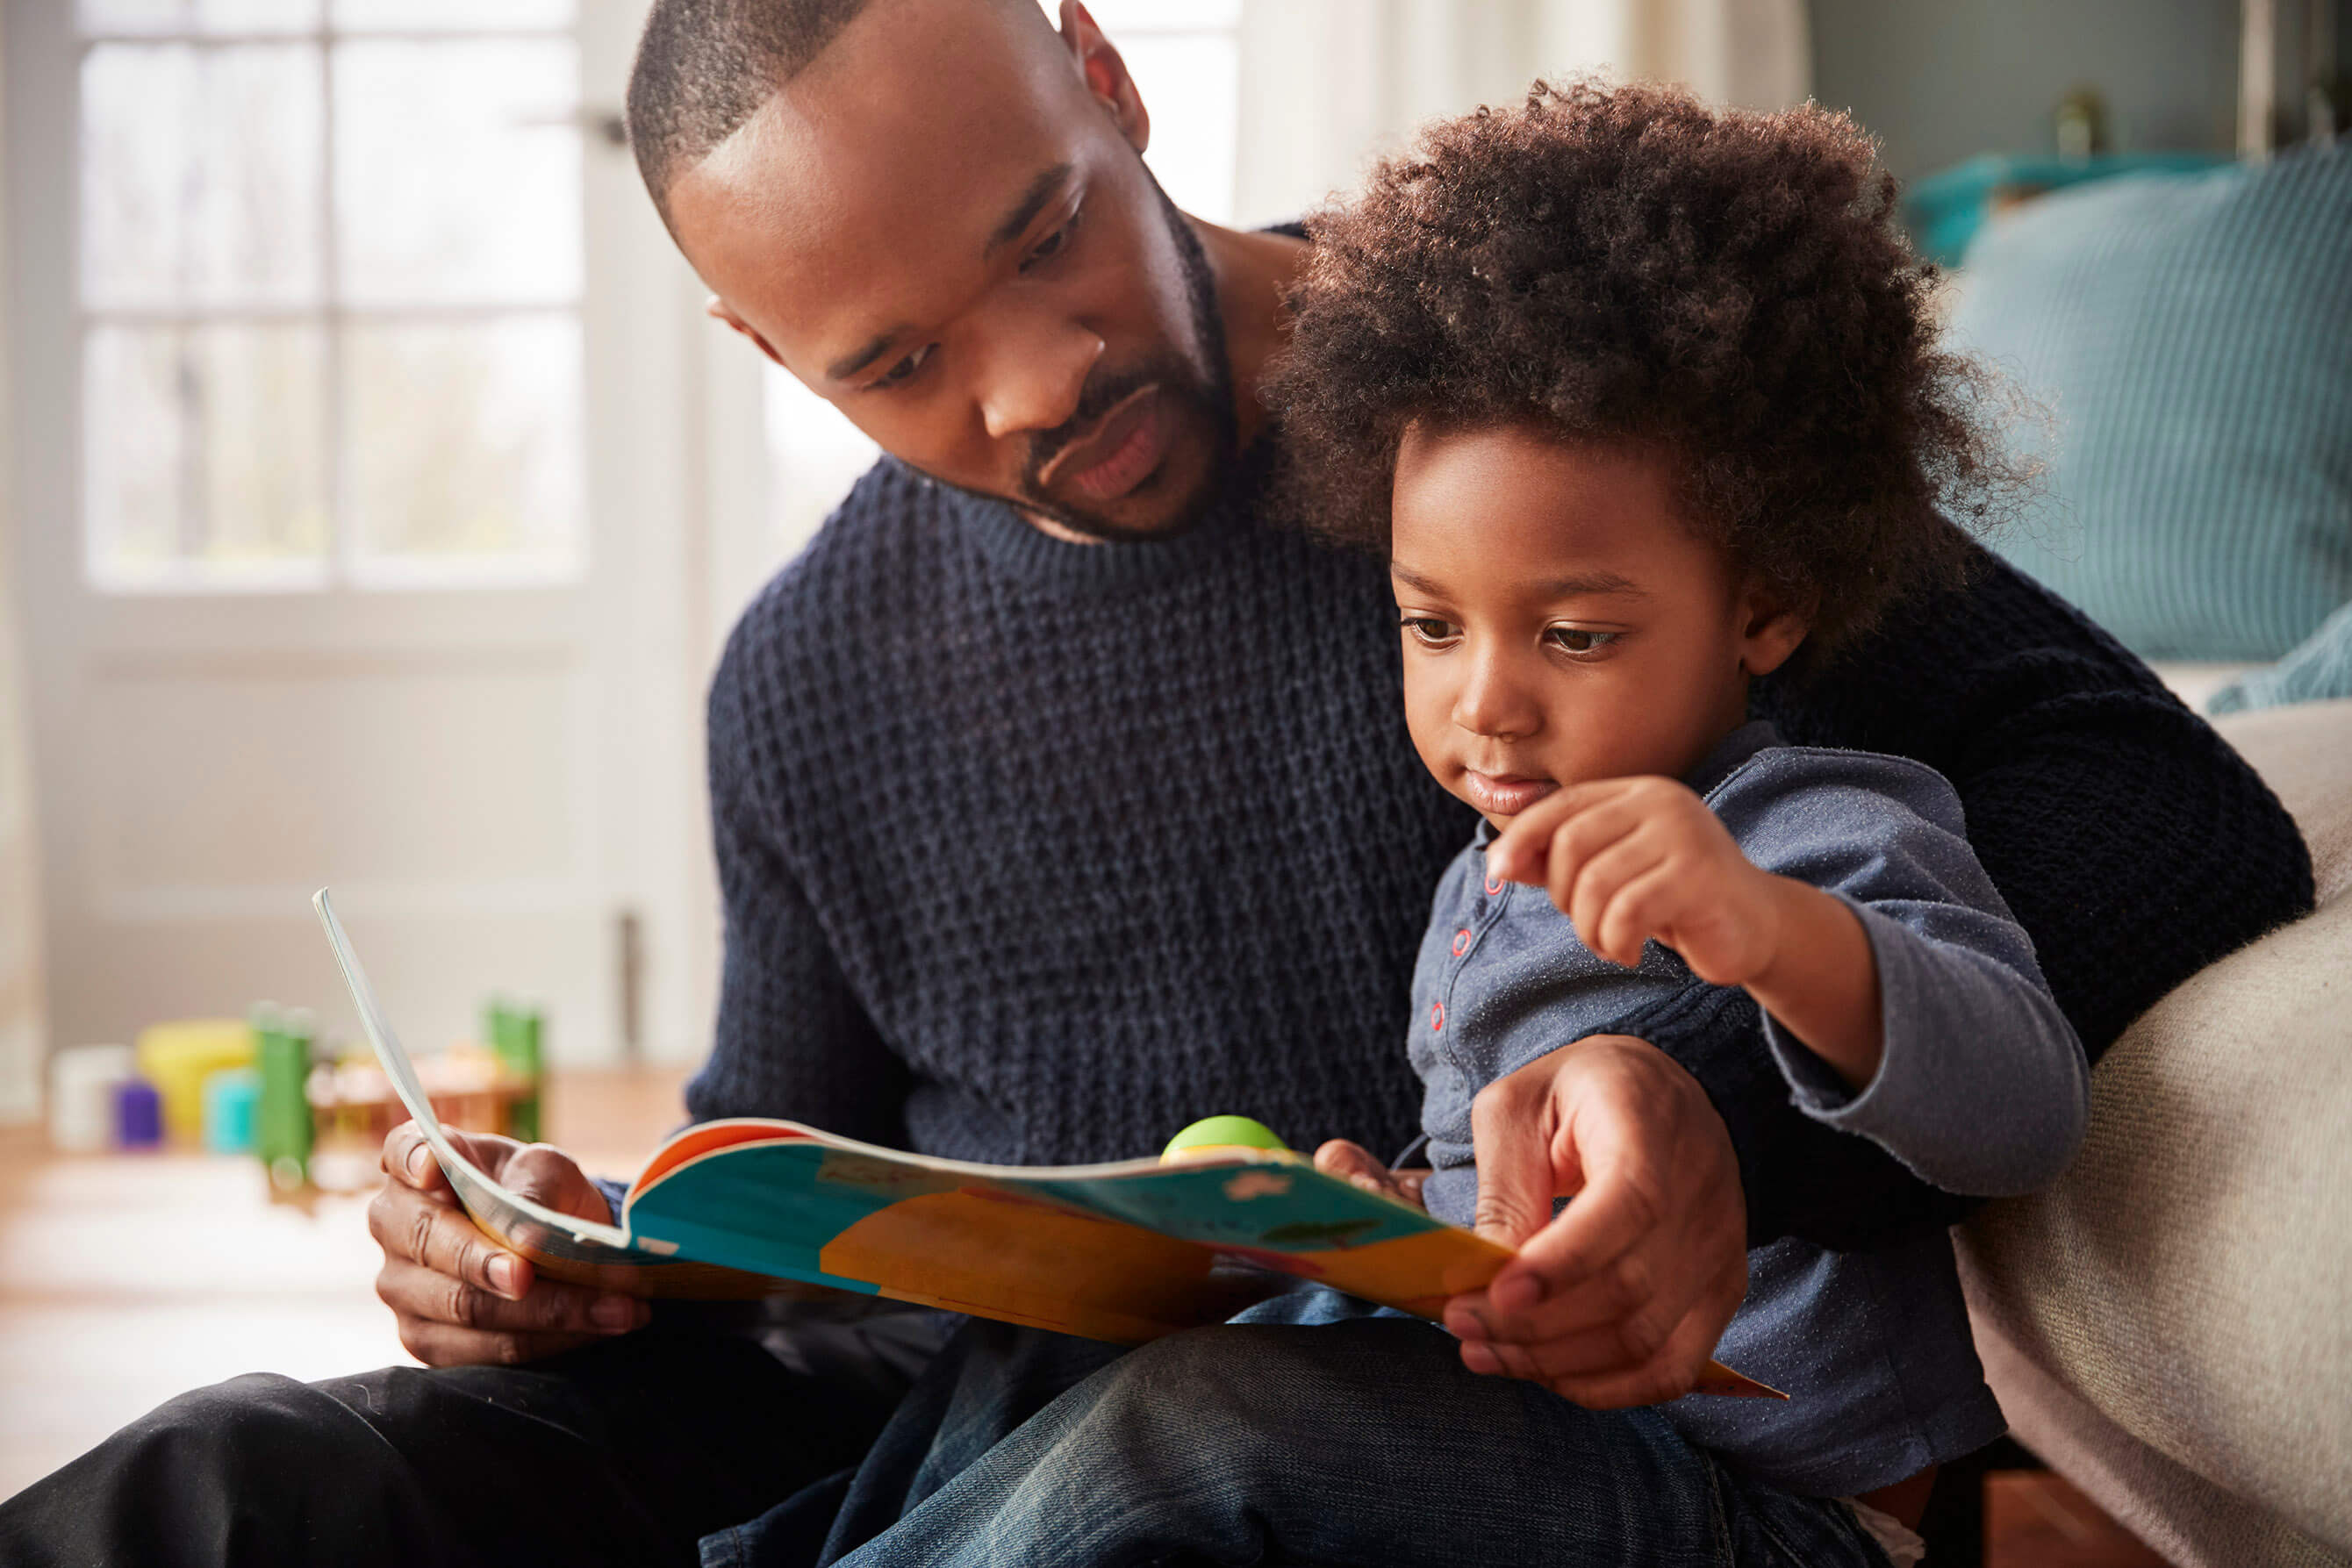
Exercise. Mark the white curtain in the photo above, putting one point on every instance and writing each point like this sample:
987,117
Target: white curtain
1328,84
23,1043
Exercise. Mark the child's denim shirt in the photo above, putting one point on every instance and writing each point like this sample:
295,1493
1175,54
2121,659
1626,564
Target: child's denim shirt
1983,1088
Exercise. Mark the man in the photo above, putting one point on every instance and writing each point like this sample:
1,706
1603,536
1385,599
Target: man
1060,800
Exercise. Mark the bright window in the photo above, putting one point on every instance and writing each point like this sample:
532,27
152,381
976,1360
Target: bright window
329,292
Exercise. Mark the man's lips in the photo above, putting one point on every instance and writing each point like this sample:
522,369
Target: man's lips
1504,795
1127,444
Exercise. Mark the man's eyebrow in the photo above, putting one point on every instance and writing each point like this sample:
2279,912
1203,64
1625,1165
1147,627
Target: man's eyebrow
841,370
1024,212
1017,219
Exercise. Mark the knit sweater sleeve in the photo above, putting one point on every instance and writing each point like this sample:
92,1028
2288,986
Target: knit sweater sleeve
2130,842
792,1039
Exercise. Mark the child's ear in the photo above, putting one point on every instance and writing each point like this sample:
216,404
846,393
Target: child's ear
1770,629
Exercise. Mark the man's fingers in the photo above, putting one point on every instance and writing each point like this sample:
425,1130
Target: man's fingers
423,1296
1671,1373
407,1158
1622,1202
1510,1133
548,1176
412,1228
441,1344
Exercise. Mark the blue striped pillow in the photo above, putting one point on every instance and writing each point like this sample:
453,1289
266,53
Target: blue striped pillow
2193,336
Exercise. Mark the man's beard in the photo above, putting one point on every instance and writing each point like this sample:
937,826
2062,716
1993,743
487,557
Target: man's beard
1181,379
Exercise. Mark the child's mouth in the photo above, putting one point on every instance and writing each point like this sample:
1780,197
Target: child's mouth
1504,795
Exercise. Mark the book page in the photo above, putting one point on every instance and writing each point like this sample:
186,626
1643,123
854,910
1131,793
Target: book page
563,1246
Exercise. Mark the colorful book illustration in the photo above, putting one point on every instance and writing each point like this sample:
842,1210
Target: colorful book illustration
1126,1251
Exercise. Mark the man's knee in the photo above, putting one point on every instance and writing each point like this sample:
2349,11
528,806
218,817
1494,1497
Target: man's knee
190,1481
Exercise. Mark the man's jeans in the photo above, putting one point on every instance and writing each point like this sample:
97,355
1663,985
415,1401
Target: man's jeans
1329,1435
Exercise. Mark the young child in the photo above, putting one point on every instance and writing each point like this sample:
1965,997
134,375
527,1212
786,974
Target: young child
1644,404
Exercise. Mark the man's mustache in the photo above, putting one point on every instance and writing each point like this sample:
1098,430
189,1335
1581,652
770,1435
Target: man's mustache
1103,391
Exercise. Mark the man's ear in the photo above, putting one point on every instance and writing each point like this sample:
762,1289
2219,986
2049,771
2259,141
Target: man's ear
717,309
1106,74
1771,629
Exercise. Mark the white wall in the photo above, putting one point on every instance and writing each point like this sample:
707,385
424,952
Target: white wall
23,1043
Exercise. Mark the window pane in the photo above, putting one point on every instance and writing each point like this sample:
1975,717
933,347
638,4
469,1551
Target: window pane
1191,84
814,454
132,452
200,175
458,170
198,15
452,15
462,447
202,451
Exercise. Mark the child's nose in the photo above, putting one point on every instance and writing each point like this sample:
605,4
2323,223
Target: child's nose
1494,704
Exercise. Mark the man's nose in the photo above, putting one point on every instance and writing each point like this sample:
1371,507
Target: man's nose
1493,702
1036,376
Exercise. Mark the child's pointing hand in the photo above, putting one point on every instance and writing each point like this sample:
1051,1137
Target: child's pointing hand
1632,860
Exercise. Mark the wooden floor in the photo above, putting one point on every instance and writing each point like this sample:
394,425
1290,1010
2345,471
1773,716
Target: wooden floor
127,1279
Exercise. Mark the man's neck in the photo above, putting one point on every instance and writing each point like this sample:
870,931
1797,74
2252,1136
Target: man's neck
1252,271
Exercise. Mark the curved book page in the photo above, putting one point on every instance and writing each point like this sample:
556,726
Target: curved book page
563,1246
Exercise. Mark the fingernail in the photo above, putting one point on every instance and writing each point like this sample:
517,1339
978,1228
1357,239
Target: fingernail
420,1159
1480,1358
614,1313
502,1278
1465,1324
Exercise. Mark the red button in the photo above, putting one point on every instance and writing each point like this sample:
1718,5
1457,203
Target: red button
1494,885
1437,1015
1462,941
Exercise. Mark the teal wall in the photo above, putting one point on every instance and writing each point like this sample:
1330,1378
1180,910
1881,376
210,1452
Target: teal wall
1938,80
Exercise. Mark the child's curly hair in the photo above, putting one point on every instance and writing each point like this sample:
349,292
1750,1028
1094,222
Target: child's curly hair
1622,264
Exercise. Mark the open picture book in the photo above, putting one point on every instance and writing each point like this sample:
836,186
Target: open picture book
1124,1252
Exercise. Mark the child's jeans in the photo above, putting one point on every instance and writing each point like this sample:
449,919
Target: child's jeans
1334,1435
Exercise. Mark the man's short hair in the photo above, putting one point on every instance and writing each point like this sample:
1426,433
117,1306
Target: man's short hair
704,67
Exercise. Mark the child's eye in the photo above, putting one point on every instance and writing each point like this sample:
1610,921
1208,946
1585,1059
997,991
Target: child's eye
904,371
1579,639
1428,631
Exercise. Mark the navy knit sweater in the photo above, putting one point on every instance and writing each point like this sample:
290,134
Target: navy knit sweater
1034,852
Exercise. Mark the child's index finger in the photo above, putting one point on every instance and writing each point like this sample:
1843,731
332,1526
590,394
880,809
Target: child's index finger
1522,849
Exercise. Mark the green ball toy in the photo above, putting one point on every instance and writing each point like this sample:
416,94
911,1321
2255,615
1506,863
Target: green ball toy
1219,1133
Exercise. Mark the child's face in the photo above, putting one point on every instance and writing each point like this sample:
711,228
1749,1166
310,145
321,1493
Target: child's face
1561,622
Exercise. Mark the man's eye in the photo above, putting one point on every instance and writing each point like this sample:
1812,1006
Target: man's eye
1051,245
1429,630
904,370
1579,639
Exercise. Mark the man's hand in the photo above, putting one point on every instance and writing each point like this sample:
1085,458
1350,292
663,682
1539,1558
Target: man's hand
461,1299
1360,1167
1621,1299
1632,858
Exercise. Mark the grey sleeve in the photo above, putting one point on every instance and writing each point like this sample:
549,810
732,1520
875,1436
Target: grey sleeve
1983,1088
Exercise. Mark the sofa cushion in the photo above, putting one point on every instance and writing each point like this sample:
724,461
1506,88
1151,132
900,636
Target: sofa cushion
2187,333
2188,1277
2318,669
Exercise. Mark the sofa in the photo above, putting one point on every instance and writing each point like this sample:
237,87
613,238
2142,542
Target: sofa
2170,1326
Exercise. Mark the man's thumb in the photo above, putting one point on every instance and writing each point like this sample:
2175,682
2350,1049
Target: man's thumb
1516,1181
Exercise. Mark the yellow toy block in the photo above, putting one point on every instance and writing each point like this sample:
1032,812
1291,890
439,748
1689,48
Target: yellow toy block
177,1058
